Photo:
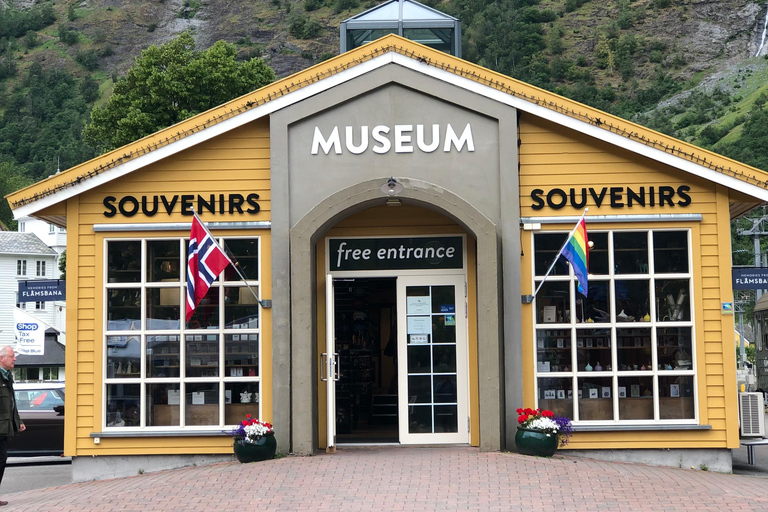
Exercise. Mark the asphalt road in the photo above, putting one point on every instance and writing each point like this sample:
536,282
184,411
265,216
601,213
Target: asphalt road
28,473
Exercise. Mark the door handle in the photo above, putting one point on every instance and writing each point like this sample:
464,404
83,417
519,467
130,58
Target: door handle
337,367
323,367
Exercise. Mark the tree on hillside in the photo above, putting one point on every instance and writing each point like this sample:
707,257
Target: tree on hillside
11,180
170,83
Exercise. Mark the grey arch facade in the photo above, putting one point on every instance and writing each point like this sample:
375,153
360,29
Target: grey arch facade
313,198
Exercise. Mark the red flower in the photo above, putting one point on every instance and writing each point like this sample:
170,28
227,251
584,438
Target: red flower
519,411
547,414
522,418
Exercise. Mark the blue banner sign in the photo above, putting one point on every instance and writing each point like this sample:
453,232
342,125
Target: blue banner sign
750,278
42,291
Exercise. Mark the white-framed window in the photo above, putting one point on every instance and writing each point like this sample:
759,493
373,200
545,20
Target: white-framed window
40,306
51,228
40,269
162,371
22,226
21,267
625,352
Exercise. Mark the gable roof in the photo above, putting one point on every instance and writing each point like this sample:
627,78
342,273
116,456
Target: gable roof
13,242
750,183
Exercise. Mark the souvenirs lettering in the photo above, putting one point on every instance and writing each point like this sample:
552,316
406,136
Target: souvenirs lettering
616,197
358,141
129,206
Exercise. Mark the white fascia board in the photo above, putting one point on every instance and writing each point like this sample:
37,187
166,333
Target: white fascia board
204,135
583,127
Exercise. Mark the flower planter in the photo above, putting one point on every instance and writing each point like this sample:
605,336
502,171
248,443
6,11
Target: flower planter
263,449
535,442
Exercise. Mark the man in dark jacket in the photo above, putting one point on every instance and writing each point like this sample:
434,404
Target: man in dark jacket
10,422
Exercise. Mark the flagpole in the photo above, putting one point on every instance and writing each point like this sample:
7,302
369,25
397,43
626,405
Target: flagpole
235,264
560,251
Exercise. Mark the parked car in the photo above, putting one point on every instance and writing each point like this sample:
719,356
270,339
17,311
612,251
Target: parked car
41,407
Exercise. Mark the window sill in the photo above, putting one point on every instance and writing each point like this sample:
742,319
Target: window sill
627,428
161,433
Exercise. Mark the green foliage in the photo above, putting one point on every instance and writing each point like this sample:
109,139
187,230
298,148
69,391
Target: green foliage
31,40
67,35
345,5
312,5
89,59
170,83
302,26
63,265
16,23
42,122
11,180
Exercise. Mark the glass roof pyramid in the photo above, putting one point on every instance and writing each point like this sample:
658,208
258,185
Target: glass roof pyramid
407,18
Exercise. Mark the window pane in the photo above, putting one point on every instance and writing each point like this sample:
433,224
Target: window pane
419,359
675,348
676,397
163,261
163,309
547,246
670,251
446,418
556,394
123,356
598,255
633,349
632,300
419,419
124,262
636,398
240,308
592,346
246,253
595,307
163,408
123,405
240,399
553,350
163,356
595,402
630,253
123,309
672,299
202,404
206,315
241,357
202,355
553,302
445,389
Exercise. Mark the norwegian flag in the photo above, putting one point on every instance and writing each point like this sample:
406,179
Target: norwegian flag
205,261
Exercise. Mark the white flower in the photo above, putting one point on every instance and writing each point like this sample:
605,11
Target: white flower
542,423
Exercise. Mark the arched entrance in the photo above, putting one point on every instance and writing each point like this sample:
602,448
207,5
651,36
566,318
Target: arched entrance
308,239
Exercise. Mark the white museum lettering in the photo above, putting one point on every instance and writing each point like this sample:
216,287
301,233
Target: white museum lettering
383,142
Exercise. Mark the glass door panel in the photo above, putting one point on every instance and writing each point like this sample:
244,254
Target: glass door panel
433,382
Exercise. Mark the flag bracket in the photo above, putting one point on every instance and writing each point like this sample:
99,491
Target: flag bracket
526,299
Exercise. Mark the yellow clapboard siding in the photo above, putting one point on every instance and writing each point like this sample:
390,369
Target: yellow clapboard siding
177,173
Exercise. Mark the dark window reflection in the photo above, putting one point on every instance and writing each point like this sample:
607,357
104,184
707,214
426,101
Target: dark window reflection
630,253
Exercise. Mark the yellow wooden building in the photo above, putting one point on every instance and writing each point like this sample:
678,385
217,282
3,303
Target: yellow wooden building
394,209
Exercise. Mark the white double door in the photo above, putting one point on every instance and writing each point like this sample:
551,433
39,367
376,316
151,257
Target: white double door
432,367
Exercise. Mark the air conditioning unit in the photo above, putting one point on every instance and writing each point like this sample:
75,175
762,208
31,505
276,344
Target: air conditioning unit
751,414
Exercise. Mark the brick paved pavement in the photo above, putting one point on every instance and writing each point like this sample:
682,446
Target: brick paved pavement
404,479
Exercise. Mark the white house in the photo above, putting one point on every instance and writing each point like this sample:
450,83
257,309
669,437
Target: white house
24,256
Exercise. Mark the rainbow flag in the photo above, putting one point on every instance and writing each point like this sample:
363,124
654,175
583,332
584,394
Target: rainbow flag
576,251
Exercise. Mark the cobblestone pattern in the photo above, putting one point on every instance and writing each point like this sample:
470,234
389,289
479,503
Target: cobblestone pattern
408,479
